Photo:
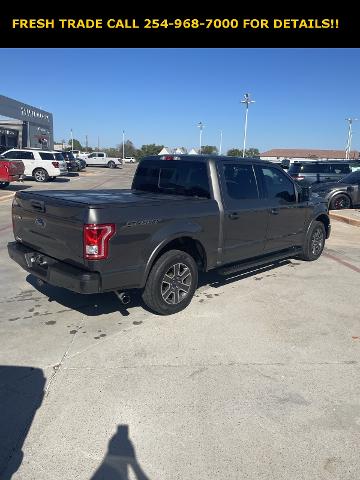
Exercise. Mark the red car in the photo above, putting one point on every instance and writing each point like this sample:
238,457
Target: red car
10,171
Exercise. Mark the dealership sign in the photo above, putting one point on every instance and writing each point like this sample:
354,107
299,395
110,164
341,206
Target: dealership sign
21,111
32,113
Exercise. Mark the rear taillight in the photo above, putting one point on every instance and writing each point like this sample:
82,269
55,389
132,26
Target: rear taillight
56,164
96,240
297,177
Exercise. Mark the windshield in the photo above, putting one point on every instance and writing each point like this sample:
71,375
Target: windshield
173,177
351,178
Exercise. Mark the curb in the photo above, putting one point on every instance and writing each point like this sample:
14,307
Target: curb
342,218
6,197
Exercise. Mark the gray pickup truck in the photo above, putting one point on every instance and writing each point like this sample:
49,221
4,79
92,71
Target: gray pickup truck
183,214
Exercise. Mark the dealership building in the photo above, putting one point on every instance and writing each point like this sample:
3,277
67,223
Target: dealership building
24,126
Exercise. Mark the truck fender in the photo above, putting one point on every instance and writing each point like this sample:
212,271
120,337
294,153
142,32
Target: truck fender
163,237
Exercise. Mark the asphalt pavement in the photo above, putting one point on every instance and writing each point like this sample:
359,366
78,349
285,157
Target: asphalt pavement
257,379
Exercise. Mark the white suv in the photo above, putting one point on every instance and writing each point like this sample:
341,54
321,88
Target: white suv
42,165
129,160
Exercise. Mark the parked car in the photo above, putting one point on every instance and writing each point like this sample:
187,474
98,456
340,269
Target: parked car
128,160
342,194
82,163
101,159
72,163
183,214
10,171
39,164
319,171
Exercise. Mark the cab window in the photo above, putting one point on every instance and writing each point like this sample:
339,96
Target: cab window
275,185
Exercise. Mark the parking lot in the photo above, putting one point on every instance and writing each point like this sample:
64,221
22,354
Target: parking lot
257,379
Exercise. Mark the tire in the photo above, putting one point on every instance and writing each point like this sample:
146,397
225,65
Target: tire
4,184
314,242
340,201
159,294
40,175
111,164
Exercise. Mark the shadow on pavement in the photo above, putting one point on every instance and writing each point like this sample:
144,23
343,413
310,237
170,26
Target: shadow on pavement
119,458
71,174
16,188
60,180
21,394
106,303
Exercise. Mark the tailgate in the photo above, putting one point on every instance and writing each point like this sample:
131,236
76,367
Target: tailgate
50,225
16,167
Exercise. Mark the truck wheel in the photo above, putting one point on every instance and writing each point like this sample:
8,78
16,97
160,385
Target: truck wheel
4,184
40,175
314,242
111,164
340,201
171,283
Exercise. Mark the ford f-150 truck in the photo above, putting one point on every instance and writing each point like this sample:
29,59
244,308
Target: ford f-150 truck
183,214
101,159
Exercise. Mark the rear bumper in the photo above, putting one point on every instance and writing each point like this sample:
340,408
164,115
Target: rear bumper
54,272
12,178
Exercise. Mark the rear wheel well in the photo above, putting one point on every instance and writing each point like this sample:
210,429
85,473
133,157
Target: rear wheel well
188,245
325,220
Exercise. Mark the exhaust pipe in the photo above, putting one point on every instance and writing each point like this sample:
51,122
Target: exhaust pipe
123,297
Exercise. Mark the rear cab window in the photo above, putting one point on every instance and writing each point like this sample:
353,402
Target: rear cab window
240,181
173,178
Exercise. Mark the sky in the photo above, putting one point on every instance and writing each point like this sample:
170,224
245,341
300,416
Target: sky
302,96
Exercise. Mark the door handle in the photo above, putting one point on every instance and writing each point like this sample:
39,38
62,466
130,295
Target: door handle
233,216
274,211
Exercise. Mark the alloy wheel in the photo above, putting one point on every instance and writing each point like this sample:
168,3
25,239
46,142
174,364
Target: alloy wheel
176,284
317,241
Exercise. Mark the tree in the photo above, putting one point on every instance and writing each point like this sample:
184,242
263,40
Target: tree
149,149
234,152
129,149
209,150
76,143
251,152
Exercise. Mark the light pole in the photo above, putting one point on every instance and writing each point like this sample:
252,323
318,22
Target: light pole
247,102
348,145
201,126
72,140
220,142
123,145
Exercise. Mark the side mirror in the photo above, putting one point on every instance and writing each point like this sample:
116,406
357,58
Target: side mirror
305,192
